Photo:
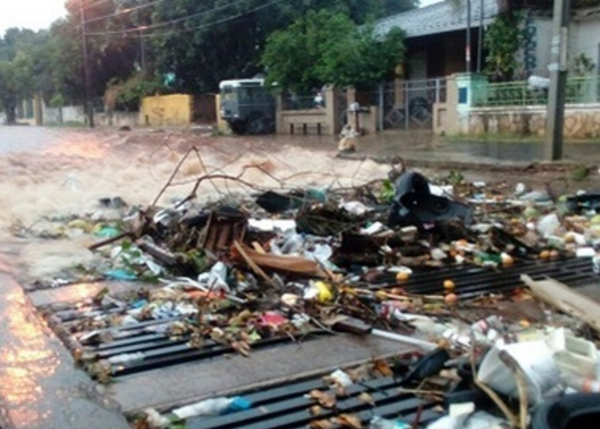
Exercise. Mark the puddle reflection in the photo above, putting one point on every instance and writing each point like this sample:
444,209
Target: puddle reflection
24,364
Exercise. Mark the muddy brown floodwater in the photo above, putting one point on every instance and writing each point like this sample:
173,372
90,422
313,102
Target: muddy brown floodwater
68,173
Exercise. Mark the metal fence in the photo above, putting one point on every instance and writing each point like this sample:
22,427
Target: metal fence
579,90
409,104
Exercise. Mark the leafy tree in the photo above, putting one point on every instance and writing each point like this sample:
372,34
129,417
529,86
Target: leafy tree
502,40
128,94
226,42
16,70
326,47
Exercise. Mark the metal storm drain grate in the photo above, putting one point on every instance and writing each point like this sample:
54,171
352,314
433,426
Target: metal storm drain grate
471,281
140,346
288,406
156,343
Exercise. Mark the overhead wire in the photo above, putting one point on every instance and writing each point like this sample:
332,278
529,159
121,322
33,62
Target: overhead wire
134,32
123,11
139,28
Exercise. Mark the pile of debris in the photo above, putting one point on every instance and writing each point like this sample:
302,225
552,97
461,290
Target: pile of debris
281,266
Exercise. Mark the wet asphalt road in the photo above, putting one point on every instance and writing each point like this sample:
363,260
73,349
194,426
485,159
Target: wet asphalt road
40,387
23,138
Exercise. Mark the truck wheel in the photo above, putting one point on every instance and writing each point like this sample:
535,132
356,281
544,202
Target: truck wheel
239,127
257,123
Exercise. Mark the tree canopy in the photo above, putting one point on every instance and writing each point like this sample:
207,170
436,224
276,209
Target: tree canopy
327,47
136,44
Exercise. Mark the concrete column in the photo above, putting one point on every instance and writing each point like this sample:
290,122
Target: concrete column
279,128
399,94
331,107
471,88
38,111
452,106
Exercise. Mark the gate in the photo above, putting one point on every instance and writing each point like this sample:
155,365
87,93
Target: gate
409,104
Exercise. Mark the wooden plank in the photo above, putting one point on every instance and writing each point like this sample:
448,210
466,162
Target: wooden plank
566,300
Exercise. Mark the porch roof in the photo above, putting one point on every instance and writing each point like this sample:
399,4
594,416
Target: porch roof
438,18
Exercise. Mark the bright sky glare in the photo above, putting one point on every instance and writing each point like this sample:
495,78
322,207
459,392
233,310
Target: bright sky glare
38,14
33,14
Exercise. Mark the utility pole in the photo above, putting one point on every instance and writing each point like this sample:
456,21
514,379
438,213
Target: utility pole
555,113
468,46
142,52
480,37
86,69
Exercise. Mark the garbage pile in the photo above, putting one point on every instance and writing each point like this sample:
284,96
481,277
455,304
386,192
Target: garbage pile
284,265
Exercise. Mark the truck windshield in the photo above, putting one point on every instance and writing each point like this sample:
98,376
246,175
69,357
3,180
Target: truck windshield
228,93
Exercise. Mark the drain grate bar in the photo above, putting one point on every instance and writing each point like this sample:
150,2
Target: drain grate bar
472,281
156,349
285,406
179,355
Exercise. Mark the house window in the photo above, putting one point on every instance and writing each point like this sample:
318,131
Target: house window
462,95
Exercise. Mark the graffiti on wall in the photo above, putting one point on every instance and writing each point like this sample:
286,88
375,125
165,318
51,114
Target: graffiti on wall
529,45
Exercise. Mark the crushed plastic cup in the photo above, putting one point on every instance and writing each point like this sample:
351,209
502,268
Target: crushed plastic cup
536,362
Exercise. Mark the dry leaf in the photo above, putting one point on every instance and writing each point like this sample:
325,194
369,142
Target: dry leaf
321,424
359,373
241,347
315,410
349,421
341,392
325,399
366,398
382,368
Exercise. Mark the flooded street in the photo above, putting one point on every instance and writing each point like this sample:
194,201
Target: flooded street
73,170
49,174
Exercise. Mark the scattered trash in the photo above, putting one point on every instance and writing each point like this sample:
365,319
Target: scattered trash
212,407
381,423
243,272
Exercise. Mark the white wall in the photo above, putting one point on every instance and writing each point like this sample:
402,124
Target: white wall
543,40
584,37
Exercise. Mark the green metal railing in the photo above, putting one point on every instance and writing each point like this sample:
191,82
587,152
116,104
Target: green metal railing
580,90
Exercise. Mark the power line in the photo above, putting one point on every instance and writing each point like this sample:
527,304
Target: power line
124,11
140,28
143,6
166,23
126,32
89,6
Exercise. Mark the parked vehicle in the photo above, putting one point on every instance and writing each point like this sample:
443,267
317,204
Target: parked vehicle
247,106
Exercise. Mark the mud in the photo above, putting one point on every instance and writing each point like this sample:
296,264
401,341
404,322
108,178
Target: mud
68,175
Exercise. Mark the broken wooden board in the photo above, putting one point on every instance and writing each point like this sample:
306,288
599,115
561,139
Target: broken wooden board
289,264
566,300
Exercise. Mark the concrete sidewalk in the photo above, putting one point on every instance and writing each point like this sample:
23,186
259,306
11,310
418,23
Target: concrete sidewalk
427,150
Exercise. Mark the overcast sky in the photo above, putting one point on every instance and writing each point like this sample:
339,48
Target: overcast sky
34,14
37,14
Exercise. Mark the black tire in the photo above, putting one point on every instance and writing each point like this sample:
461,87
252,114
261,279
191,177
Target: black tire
576,411
239,127
257,123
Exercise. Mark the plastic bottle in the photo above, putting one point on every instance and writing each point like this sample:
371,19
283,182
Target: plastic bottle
213,407
292,244
127,358
381,423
